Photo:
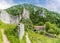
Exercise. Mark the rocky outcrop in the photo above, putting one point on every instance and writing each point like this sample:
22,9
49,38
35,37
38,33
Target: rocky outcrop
7,18
15,19
4,17
21,31
20,17
42,14
25,14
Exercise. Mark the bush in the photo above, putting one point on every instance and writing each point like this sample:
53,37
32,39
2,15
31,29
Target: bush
41,23
41,32
48,24
52,28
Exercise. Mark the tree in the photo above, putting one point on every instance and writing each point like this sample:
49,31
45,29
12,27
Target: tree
47,26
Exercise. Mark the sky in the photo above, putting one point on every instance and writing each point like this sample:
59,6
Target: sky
53,5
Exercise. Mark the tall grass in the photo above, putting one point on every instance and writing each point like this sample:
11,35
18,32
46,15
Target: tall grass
10,31
38,38
12,34
1,41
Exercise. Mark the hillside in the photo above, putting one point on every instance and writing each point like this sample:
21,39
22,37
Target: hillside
18,24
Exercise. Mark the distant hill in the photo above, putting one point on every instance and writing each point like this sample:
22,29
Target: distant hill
37,14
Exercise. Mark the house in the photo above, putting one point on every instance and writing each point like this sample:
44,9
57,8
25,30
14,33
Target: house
42,28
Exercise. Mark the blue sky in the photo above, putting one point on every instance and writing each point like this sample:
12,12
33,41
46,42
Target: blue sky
30,1
53,5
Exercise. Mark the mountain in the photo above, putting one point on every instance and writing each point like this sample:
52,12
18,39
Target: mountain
36,13
19,23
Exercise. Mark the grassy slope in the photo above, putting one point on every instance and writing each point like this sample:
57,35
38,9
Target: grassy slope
38,38
34,37
1,41
10,31
12,34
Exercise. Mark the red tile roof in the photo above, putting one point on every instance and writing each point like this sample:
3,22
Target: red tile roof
39,26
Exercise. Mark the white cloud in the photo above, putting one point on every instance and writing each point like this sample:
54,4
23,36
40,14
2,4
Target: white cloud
53,5
6,4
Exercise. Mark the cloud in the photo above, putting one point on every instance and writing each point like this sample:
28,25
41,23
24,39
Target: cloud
6,4
53,5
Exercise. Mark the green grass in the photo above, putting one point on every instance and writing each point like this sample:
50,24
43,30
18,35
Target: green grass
10,31
6,26
38,38
1,41
12,34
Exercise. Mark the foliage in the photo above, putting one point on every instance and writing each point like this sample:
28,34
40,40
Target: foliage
38,38
52,28
47,26
15,10
12,34
10,31
28,24
0,11
35,14
1,41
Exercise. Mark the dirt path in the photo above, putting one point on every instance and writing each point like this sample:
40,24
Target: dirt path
5,40
27,39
